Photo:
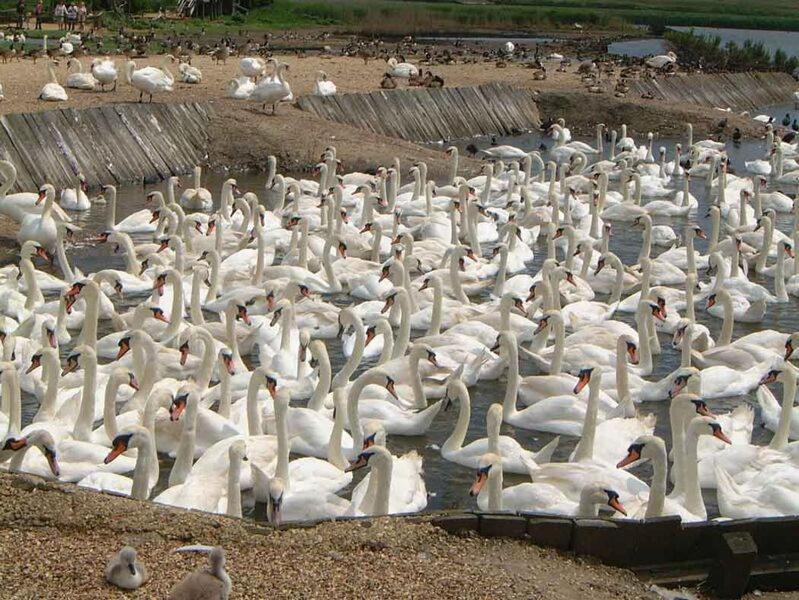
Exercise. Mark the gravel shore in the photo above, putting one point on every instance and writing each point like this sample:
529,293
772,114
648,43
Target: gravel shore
56,538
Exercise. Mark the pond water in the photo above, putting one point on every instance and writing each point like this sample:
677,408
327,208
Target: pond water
787,41
449,483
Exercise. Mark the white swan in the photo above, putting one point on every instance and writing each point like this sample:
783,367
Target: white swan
52,90
149,80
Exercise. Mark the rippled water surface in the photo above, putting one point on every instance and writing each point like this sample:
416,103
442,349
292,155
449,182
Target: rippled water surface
448,483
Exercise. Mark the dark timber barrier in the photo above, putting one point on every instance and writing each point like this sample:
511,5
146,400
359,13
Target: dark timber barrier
121,143
432,114
739,91
729,556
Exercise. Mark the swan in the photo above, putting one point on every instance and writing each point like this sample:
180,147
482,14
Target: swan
52,90
269,91
105,72
40,228
252,67
404,70
80,80
323,86
125,570
76,198
149,80
197,198
536,497
212,581
240,88
507,447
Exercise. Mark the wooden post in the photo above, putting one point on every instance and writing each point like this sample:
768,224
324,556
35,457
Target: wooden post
737,552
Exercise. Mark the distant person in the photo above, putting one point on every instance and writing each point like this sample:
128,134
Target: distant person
21,10
82,12
60,14
38,12
72,16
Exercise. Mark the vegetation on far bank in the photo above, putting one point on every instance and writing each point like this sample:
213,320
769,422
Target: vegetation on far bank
708,53
462,16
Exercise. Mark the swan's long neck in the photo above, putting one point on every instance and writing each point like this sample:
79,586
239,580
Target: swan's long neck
512,389
455,440
323,383
170,335
494,485
47,409
223,408
234,486
204,373
383,492
780,439
585,447
230,333
354,361
253,413
404,334
388,345
83,425
768,232
141,472
438,300
34,294
657,491
725,337
186,445
88,335
618,284
335,453
195,310
353,398
556,364
644,347
693,494
109,408
13,401
677,419
283,442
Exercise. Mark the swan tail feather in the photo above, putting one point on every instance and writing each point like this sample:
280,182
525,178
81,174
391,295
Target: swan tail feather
545,454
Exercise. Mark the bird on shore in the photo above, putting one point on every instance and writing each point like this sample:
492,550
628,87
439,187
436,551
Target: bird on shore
211,582
125,570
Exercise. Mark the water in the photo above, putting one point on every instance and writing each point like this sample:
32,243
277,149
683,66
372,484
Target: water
639,48
787,41
449,483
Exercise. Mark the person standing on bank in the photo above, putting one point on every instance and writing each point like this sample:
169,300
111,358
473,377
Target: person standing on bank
60,13
38,12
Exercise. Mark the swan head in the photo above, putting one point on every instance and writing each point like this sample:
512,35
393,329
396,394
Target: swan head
584,377
423,351
374,434
682,379
489,464
41,439
275,500
370,456
707,426
46,191
642,449
127,557
80,357
31,248
601,495
130,437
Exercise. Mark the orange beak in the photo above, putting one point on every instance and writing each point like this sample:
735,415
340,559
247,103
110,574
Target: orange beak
123,349
478,484
115,451
631,457
617,506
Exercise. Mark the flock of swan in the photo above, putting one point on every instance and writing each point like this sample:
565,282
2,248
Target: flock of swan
224,361
253,82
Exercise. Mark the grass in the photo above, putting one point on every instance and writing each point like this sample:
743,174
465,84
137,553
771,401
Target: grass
406,16
401,17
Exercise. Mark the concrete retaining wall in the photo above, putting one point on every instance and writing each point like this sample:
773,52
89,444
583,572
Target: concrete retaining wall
122,143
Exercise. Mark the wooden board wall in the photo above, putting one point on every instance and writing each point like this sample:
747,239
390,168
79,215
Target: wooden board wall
121,143
738,91
429,115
